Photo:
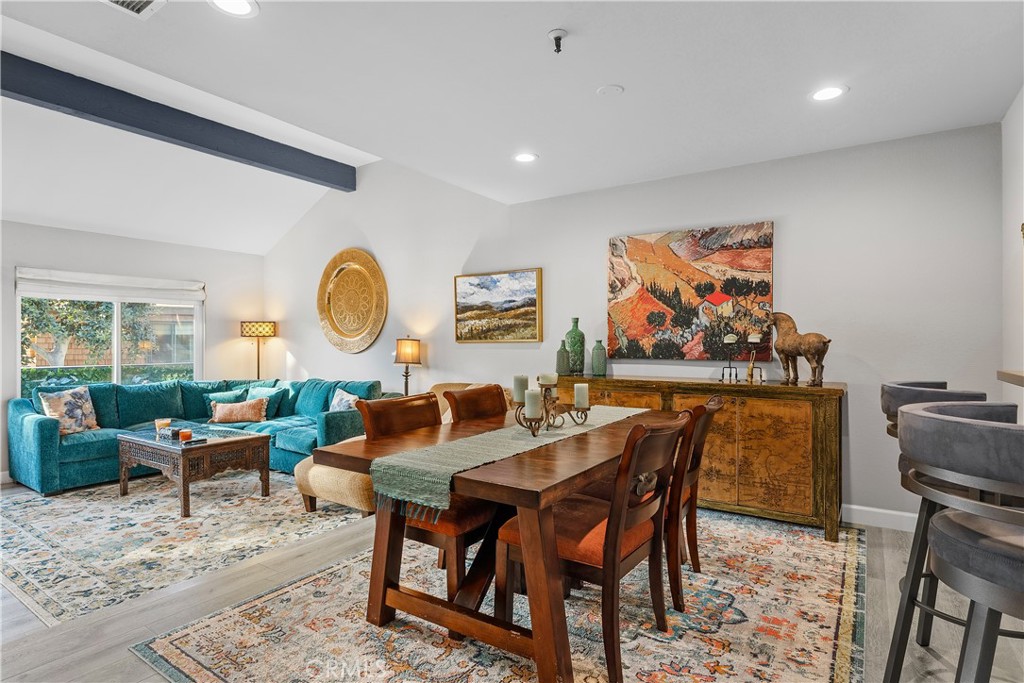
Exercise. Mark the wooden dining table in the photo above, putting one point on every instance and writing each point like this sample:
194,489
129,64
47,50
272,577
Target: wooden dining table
529,485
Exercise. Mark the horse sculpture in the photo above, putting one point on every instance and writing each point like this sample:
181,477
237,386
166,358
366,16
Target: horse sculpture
789,344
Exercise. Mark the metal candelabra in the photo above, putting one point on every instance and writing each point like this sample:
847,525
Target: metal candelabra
554,413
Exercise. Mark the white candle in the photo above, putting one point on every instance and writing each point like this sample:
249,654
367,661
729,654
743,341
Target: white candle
533,404
582,395
754,338
519,384
548,378
729,339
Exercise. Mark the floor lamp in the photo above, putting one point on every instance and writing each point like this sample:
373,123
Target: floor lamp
407,352
259,329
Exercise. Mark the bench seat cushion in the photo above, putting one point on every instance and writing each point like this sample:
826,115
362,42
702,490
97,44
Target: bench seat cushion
297,439
90,445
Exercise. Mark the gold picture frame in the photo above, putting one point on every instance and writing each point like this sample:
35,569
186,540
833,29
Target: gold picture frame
501,307
352,300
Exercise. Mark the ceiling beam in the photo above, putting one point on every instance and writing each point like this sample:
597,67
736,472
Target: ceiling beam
38,84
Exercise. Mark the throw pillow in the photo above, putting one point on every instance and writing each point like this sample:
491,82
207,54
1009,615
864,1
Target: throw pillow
273,396
246,411
72,408
236,396
343,401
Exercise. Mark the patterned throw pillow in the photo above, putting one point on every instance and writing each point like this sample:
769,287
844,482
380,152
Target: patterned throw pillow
343,401
72,408
246,411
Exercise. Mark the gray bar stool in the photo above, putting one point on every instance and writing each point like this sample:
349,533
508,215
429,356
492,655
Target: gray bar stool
895,395
968,457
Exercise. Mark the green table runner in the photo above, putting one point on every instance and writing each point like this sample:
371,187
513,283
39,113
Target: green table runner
421,480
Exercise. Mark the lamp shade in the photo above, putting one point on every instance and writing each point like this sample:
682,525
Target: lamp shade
407,352
259,328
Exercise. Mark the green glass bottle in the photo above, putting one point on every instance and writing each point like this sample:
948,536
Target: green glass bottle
575,342
599,359
562,360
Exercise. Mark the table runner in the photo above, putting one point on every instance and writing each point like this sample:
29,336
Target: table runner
420,480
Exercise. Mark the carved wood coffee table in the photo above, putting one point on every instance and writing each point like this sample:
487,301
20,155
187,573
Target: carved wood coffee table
225,449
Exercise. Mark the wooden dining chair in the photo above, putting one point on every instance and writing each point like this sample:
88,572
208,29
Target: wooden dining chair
471,404
465,520
601,541
682,501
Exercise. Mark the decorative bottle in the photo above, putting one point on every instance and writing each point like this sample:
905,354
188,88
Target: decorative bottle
575,341
599,359
562,360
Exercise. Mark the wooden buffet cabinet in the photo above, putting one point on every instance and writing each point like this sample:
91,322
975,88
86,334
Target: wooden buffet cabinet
773,451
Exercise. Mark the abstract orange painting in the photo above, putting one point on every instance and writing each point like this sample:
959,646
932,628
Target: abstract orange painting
678,295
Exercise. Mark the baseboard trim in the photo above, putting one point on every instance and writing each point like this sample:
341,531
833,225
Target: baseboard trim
5,477
880,517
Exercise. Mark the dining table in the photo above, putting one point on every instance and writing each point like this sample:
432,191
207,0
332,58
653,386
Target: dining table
528,485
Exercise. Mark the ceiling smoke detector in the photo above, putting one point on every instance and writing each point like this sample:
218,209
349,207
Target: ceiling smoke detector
556,35
143,9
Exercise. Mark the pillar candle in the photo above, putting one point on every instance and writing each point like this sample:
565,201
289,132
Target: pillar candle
533,404
549,378
754,338
519,384
582,395
729,339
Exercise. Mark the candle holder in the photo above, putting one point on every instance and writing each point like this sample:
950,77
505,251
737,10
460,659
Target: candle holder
752,367
554,412
733,374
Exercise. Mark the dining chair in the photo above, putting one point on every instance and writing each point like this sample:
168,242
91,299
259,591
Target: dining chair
966,461
470,404
682,501
465,521
601,541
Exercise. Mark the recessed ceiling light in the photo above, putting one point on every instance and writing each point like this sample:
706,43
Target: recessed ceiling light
611,89
829,93
526,157
240,9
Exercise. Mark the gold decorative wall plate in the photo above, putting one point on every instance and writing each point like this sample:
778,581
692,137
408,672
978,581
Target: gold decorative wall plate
352,300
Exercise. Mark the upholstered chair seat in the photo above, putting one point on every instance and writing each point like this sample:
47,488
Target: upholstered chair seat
463,515
982,547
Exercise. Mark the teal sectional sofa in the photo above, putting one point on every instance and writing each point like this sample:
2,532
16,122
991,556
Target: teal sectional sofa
49,463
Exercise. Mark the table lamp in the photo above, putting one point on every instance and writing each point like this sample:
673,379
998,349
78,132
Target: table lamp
260,329
407,352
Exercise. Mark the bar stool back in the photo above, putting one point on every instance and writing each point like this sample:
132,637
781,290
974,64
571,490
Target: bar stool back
968,456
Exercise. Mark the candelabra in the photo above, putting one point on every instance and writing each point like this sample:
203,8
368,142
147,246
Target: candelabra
729,341
552,412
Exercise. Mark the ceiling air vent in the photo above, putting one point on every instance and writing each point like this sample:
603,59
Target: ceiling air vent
142,9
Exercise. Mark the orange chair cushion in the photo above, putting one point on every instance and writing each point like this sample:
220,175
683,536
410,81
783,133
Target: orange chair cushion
580,526
462,516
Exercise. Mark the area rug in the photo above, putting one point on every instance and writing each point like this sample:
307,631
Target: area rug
67,555
776,603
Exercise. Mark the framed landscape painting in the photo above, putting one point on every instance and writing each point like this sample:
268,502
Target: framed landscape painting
677,295
499,307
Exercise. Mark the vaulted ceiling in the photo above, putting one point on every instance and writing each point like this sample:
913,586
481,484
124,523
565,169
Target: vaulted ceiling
455,89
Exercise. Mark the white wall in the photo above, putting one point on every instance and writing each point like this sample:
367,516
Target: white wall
891,249
234,287
1013,247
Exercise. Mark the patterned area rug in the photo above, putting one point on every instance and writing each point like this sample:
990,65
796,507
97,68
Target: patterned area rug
777,603
68,555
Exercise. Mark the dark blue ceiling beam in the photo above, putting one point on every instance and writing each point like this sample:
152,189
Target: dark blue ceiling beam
28,81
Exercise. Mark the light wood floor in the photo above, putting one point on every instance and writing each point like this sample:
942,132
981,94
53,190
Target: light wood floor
95,647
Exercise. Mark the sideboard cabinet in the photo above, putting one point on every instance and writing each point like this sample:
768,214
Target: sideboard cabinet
773,451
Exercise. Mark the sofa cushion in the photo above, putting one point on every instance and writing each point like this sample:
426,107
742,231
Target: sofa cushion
90,445
313,397
104,401
369,390
192,401
248,383
342,400
142,402
274,395
297,439
292,389
72,408
281,424
230,396
246,411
